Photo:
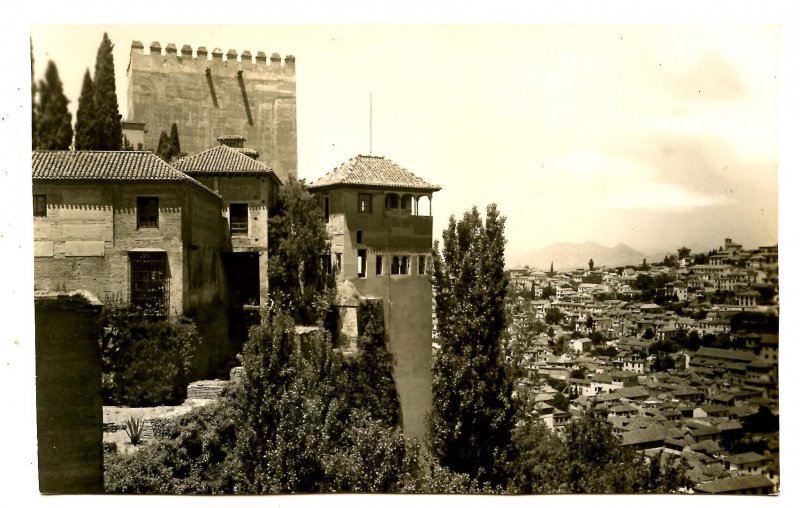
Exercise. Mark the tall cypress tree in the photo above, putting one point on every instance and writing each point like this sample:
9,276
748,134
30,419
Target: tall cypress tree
85,117
108,129
163,146
472,413
174,142
33,103
53,119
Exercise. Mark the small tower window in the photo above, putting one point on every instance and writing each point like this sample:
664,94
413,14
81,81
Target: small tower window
326,204
146,212
405,203
359,237
239,216
395,265
362,262
422,261
392,201
378,265
404,265
364,203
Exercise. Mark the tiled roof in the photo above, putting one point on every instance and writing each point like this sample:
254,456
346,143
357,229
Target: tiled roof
222,159
734,483
373,171
105,165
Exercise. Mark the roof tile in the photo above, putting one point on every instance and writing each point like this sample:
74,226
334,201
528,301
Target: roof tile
373,171
222,159
105,165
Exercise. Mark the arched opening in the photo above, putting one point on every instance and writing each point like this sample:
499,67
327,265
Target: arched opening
404,266
405,202
424,205
395,265
392,201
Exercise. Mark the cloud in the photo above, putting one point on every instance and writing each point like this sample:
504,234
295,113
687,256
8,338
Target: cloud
669,198
711,79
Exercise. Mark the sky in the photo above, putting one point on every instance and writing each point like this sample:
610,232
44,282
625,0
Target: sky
651,135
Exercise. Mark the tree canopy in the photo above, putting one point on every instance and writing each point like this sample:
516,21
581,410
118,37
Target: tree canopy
85,117
107,131
472,414
53,127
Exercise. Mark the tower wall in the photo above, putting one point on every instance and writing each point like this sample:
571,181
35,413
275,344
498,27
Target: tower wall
210,97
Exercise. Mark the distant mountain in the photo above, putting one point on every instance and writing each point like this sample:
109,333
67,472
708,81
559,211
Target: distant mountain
569,256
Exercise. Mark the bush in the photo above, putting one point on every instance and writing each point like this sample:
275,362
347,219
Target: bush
147,360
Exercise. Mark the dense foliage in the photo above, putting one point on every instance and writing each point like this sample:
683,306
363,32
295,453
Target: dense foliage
147,361
297,243
53,122
472,414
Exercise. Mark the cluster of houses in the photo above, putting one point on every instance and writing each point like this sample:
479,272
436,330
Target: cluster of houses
701,409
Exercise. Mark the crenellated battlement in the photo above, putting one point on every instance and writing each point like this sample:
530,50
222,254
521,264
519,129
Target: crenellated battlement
218,60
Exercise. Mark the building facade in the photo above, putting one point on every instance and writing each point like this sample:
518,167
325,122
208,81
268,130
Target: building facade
207,97
380,225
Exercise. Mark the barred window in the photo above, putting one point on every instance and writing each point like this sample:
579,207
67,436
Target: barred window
239,218
40,205
149,280
146,212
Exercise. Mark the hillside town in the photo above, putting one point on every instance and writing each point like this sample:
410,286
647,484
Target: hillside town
682,355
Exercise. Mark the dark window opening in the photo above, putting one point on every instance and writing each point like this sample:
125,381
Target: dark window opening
378,265
327,208
146,212
392,201
422,261
239,218
149,280
365,203
359,236
338,261
404,266
362,262
405,203
39,205
395,265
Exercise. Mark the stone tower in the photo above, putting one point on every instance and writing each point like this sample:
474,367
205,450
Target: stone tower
208,98
379,220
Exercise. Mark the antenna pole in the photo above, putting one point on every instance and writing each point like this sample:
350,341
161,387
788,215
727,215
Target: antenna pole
370,123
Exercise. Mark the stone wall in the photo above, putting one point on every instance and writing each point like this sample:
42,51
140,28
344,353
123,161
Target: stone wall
210,97
69,403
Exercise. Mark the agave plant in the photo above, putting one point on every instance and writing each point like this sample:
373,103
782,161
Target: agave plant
134,426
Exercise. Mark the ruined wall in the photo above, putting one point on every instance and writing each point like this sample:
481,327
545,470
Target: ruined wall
69,404
208,98
408,321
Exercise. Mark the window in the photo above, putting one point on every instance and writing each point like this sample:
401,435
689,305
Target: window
392,201
146,212
338,262
238,218
378,265
326,204
405,202
359,237
395,265
404,265
39,205
365,203
422,265
362,262
149,280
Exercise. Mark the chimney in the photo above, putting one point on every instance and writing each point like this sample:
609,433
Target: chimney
237,143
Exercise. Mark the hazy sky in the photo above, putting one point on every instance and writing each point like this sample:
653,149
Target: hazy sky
654,136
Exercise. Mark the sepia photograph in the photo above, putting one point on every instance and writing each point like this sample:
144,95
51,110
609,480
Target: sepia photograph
508,259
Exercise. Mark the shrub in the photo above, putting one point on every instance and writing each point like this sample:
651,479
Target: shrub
134,426
147,360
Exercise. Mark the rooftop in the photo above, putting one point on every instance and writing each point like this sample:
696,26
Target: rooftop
373,171
223,159
105,166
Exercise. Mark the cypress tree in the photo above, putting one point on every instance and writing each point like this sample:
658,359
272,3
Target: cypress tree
108,129
174,143
33,103
85,117
163,146
53,119
472,414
